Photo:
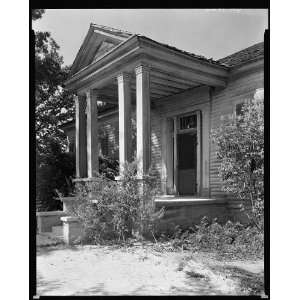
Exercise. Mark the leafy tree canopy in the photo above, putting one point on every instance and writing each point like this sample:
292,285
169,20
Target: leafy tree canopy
53,104
37,14
53,107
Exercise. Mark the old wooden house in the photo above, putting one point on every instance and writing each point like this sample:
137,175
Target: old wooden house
138,97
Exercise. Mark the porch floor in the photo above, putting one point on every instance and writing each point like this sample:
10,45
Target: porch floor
172,200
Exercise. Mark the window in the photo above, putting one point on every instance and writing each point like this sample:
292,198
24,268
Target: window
188,122
238,109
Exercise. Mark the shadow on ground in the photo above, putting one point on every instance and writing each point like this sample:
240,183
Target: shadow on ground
96,290
46,286
47,250
250,283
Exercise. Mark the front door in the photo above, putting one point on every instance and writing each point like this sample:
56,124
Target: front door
187,163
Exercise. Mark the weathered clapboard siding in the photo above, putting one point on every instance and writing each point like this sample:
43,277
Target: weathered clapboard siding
109,127
155,141
183,102
239,88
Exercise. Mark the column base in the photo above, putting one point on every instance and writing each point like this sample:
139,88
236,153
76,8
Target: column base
72,230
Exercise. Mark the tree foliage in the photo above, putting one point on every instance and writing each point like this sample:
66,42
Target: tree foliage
240,148
53,106
54,171
37,14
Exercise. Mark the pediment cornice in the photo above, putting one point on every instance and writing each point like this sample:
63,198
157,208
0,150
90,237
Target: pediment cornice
95,37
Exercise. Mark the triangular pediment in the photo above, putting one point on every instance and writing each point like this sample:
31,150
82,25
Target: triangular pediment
98,41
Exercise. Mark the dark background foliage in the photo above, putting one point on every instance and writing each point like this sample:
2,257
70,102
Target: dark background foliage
54,172
53,107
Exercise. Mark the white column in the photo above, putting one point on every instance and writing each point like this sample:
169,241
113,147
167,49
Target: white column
124,119
80,106
92,134
205,151
142,119
175,163
199,147
167,156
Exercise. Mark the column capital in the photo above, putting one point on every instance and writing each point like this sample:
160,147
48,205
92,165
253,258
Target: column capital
91,93
124,76
80,99
76,99
141,68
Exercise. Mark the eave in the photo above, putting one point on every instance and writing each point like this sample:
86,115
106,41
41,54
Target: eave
249,66
166,65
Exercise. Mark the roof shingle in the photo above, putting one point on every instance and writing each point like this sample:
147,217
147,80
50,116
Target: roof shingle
243,56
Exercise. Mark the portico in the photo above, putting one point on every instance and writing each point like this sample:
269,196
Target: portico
86,123
138,74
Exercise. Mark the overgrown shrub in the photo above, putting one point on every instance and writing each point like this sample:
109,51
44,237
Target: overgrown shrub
109,167
240,148
230,239
54,170
117,210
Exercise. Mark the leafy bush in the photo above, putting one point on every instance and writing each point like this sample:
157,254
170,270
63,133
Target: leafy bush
240,148
108,167
117,210
230,239
54,170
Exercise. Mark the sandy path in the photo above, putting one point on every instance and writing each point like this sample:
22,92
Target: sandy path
95,270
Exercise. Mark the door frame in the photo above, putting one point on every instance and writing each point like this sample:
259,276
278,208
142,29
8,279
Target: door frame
198,130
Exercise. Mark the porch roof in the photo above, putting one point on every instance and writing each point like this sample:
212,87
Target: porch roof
172,70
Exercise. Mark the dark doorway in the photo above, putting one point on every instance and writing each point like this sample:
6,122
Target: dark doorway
187,163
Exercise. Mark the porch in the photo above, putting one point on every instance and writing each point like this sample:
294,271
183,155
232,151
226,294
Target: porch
139,75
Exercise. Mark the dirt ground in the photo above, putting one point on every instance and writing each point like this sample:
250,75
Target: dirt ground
141,270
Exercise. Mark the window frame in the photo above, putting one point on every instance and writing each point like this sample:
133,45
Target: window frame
194,113
237,102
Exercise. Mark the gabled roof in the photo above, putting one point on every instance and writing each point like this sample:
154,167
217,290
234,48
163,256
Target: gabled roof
101,39
95,39
244,56
97,34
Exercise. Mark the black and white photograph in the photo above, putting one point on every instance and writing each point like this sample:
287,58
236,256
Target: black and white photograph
149,152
